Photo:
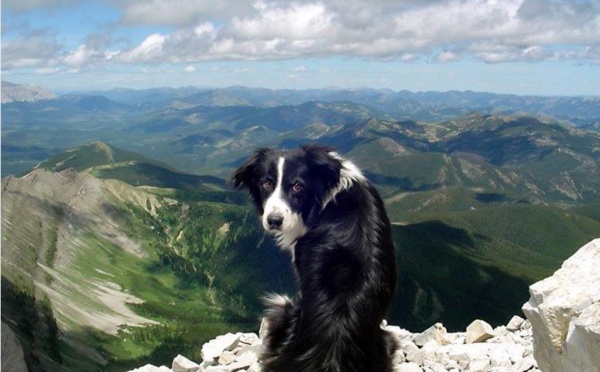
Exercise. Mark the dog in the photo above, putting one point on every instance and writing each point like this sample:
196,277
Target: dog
323,210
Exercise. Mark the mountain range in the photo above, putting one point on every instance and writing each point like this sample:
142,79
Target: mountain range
121,215
191,127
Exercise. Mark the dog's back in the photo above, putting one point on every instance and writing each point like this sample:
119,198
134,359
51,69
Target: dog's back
346,270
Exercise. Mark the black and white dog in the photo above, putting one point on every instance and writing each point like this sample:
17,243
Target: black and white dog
323,210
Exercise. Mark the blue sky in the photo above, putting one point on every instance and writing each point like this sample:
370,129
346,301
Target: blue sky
541,47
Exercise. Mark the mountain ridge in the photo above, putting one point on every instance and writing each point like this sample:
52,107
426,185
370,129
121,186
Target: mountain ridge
12,92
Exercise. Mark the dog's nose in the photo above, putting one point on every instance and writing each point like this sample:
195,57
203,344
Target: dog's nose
275,221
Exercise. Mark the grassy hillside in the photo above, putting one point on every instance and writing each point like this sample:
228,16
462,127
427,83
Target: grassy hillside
101,258
479,263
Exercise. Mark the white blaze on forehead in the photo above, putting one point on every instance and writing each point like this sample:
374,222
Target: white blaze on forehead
275,202
292,226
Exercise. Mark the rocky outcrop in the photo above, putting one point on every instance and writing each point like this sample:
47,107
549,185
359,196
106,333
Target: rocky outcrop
13,359
564,311
505,349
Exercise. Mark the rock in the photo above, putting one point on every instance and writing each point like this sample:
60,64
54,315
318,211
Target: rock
264,328
515,323
249,355
183,364
212,350
506,351
480,365
151,368
564,311
226,357
525,364
408,367
436,332
13,359
249,338
479,331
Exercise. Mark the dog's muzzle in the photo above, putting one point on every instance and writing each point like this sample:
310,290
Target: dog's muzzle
274,221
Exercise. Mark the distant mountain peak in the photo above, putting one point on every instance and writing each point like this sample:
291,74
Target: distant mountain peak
24,93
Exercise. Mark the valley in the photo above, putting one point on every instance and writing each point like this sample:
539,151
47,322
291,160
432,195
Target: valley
123,243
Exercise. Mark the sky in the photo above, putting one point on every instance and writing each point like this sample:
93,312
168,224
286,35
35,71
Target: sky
525,47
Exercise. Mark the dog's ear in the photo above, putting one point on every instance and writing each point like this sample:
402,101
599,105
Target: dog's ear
325,166
245,175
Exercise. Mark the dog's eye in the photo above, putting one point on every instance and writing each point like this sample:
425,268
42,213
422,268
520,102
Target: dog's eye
267,185
297,186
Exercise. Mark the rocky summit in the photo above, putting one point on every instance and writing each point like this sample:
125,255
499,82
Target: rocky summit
562,333
479,348
564,310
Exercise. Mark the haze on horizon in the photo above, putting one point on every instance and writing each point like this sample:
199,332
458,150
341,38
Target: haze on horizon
524,47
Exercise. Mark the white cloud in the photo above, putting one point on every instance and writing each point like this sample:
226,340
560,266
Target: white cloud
150,50
178,13
27,5
301,68
35,49
447,56
443,31
190,69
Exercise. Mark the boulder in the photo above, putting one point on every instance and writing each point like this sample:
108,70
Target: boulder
183,364
564,311
479,331
436,332
212,350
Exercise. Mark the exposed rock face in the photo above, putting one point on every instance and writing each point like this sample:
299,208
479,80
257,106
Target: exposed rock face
564,311
13,359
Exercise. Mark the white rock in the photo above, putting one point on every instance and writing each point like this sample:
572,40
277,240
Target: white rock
499,357
249,338
226,357
453,338
479,331
264,328
398,332
429,351
452,365
436,332
255,367
213,349
515,323
434,366
183,364
525,364
151,368
408,367
564,311
250,354
411,351
480,365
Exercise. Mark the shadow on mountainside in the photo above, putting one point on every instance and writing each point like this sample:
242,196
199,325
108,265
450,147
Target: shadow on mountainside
441,282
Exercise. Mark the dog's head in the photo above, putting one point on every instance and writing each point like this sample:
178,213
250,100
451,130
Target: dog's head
290,188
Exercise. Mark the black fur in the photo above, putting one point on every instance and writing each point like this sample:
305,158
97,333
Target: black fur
345,265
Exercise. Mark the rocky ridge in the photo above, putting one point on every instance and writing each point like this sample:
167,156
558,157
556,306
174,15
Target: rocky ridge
562,333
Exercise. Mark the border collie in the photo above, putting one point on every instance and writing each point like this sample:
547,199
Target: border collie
321,208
